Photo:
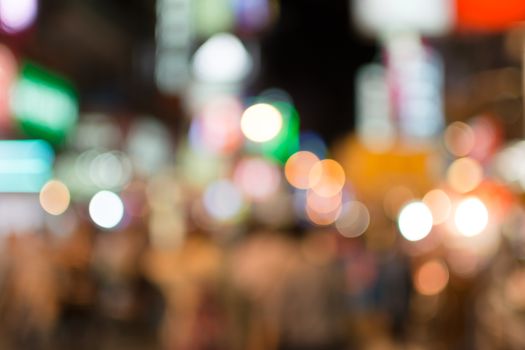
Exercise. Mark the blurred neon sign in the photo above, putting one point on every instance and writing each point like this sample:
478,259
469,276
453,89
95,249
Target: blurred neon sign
43,104
25,165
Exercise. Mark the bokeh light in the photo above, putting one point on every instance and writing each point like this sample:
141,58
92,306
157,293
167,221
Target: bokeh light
459,139
222,59
148,145
323,204
297,168
217,127
261,122
354,219
415,221
257,178
326,178
17,15
54,197
431,278
110,170
223,200
439,204
106,209
464,175
323,219
471,217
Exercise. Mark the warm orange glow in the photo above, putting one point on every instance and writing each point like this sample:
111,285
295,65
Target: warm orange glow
319,248
489,15
439,204
322,204
327,178
54,197
323,219
298,168
431,278
464,175
395,199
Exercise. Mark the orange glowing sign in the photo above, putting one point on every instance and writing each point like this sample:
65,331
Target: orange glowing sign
489,15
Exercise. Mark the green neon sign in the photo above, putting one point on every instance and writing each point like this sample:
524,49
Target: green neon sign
43,104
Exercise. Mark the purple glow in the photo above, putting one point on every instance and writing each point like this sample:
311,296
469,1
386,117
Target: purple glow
17,15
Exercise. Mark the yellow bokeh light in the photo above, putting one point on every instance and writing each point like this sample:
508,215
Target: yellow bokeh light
459,139
464,175
326,178
439,204
431,278
298,168
54,197
261,122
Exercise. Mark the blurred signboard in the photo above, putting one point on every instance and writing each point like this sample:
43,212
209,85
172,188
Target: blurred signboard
489,15
428,17
25,165
43,104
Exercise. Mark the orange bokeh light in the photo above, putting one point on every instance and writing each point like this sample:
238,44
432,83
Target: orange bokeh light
323,204
327,178
298,168
431,278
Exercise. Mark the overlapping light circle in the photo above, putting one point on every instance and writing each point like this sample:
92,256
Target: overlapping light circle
297,168
326,178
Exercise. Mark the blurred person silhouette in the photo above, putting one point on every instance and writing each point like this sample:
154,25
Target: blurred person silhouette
73,254
30,299
189,277
292,289
129,308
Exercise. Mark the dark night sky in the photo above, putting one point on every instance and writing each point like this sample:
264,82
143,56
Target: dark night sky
313,53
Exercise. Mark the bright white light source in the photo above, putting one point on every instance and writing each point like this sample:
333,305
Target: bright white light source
222,200
471,217
415,221
106,209
17,15
222,59
261,122
429,16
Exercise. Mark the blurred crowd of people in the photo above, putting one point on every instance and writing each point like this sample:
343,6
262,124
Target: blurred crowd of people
266,290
